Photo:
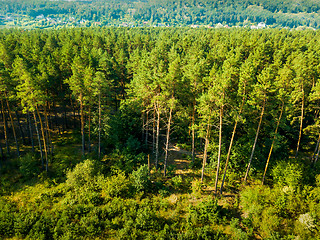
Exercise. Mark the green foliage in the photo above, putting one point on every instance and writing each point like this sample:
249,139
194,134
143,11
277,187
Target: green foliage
176,182
207,212
29,166
287,174
116,185
83,175
140,178
6,218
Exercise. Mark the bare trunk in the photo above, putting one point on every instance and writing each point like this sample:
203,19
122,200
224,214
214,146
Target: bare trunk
39,139
315,150
255,141
219,151
193,132
231,143
99,140
204,162
167,141
147,130
43,138
153,131
12,124
157,137
149,165
317,156
89,137
274,139
5,128
301,124
48,132
30,131
82,124
143,126
20,128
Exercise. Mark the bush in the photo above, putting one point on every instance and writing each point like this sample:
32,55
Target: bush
6,219
287,174
114,186
29,166
207,212
84,174
140,178
176,182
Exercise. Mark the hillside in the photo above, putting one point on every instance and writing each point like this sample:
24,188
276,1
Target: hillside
56,14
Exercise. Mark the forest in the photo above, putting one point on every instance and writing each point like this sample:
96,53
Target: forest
159,133
56,14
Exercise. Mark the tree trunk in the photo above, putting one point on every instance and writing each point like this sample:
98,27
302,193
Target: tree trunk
48,132
39,139
82,124
30,131
20,128
89,137
167,142
157,137
219,151
143,126
193,132
315,150
43,138
99,140
255,141
301,124
147,130
154,131
274,139
12,124
231,143
316,159
205,149
5,128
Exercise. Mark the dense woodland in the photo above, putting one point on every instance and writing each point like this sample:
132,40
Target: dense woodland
278,13
88,117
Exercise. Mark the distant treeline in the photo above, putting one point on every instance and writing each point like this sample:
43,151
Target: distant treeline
175,13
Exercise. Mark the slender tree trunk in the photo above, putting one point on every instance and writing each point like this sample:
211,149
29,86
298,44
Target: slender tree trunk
1,155
149,165
82,124
301,124
193,132
167,142
143,126
255,141
39,139
48,132
20,128
55,114
89,137
65,117
74,115
231,143
30,131
274,139
147,130
317,156
12,124
99,137
154,131
157,137
219,151
5,128
43,138
315,150
204,162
